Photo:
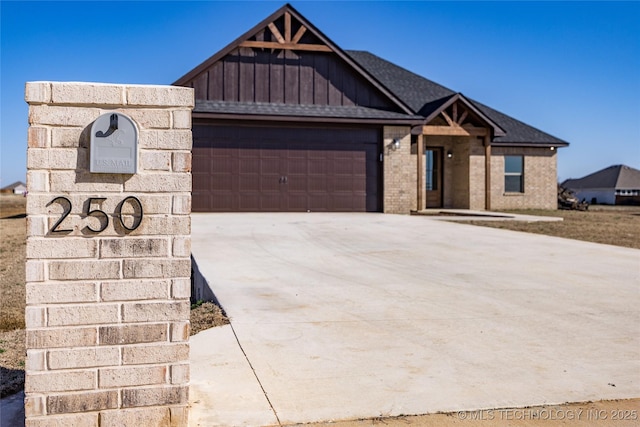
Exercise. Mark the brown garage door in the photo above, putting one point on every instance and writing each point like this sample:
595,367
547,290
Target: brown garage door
270,169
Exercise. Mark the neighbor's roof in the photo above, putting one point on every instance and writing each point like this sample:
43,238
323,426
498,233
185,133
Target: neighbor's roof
425,97
14,185
618,177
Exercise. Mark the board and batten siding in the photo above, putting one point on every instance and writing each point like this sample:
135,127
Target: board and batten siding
285,77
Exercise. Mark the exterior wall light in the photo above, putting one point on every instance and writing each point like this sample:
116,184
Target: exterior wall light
395,144
552,148
449,154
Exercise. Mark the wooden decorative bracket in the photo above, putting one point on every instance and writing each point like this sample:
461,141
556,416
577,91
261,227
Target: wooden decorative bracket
455,120
286,41
459,122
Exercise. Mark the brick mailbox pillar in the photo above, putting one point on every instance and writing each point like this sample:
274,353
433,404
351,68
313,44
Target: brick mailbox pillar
108,258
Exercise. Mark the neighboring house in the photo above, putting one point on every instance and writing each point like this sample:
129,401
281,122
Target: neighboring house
18,187
286,120
615,185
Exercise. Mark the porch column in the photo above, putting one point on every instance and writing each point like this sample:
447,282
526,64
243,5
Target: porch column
487,172
420,172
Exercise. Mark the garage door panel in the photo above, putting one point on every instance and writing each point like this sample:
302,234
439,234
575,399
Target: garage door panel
297,151
343,167
345,203
351,185
320,203
298,184
249,166
318,184
201,162
270,183
201,201
271,167
219,165
318,167
343,184
275,153
297,202
248,201
318,151
201,165
292,169
219,201
346,153
297,167
360,171
249,183
222,182
271,202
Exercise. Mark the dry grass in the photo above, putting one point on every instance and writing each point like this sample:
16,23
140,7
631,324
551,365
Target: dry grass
12,293
12,257
206,316
612,225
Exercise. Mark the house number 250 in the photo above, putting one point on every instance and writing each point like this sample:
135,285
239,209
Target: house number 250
97,213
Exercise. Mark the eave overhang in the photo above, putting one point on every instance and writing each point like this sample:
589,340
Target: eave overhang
530,144
299,119
300,113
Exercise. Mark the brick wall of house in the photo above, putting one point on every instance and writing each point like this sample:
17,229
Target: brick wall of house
400,173
477,178
107,312
540,179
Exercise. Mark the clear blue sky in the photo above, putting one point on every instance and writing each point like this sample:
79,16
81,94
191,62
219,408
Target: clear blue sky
571,69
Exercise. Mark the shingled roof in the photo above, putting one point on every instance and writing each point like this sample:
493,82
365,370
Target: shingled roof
299,110
425,96
13,186
417,92
618,177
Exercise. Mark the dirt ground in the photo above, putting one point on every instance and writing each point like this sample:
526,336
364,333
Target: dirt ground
12,293
606,413
600,224
611,225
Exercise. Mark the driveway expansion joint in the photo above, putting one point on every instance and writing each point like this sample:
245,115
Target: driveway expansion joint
266,396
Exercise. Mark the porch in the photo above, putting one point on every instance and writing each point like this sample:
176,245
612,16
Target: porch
454,157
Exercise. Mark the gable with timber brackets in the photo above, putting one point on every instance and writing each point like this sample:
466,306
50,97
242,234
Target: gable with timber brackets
286,60
457,116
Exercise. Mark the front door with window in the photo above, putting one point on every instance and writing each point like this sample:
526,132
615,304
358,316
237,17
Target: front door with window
433,177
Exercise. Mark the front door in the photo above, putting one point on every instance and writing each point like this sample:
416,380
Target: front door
433,177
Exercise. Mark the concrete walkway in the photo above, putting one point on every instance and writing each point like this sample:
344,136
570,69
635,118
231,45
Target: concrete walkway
471,215
342,316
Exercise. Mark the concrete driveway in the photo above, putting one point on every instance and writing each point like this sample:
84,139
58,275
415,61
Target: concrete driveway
341,316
